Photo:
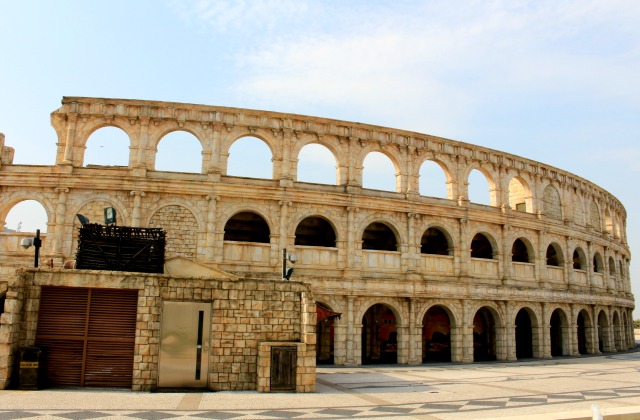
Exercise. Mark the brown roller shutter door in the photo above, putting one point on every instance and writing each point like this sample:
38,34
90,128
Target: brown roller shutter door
88,334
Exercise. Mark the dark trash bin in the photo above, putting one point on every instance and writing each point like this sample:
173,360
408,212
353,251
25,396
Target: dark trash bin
31,368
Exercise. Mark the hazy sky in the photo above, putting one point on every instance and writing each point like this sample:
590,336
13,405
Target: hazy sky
554,81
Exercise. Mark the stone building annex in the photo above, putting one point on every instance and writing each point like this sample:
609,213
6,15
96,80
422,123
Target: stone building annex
542,271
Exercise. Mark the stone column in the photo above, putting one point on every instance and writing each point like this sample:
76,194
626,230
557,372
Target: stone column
143,140
61,211
210,244
72,119
137,204
285,175
545,331
355,254
465,336
350,359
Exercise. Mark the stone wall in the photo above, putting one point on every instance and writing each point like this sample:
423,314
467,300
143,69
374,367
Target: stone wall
244,314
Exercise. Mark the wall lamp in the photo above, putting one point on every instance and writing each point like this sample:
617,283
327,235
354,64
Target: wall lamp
36,242
292,258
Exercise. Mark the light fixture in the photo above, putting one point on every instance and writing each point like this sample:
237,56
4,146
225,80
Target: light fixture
36,242
292,258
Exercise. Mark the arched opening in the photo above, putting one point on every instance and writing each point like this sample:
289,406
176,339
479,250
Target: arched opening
598,264
250,157
554,255
3,298
379,336
479,188
481,247
603,332
380,237
434,241
247,227
436,336
584,332
107,146
519,251
612,267
595,221
379,172
315,231
179,151
558,323
325,338
317,164
579,259
26,216
524,335
182,230
519,195
433,180
484,336
617,332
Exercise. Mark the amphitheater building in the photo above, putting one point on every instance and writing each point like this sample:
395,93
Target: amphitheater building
385,277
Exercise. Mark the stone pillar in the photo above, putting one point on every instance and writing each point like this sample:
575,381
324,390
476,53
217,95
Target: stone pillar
284,212
285,175
61,211
464,335
355,254
210,244
137,204
143,141
545,332
464,249
72,119
350,359
339,343
10,322
414,338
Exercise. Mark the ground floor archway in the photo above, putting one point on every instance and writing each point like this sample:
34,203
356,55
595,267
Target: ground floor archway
379,336
436,336
558,334
524,335
484,335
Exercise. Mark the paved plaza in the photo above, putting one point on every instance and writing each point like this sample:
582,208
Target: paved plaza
558,388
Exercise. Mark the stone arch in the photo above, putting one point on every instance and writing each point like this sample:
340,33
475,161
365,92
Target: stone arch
598,263
9,202
579,259
559,333
551,202
93,209
436,240
527,335
99,135
180,223
445,171
396,174
85,131
325,337
608,222
316,231
483,245
554,255
612,266
165,136
436,334
377,226
488,176
266,140
380,334
247,226
338,160
584,332
522,251
485,324
604,332
520,196
617,332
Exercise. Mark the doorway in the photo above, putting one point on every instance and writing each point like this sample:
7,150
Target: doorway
184,345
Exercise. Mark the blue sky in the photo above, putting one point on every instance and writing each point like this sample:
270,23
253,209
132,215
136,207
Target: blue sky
554,81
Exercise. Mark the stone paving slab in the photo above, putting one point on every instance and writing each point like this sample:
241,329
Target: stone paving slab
537,389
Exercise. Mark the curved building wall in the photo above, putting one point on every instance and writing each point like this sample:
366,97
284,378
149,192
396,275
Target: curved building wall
548,256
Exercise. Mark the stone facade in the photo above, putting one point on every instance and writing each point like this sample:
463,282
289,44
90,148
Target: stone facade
245,313
549,255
